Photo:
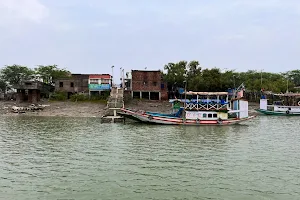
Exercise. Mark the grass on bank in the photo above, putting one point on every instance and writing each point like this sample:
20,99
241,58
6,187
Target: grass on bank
63,96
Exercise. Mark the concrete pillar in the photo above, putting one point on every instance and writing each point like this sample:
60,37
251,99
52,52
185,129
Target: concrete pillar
33,96
38,95
30,96
20,96
132,94
149,96
159,94
141,96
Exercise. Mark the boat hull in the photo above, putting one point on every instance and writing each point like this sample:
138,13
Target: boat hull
278,113
165,120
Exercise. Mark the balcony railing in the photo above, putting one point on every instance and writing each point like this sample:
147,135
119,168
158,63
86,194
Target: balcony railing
207,106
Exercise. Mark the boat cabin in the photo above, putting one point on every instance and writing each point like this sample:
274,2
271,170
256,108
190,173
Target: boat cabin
211,106
289,102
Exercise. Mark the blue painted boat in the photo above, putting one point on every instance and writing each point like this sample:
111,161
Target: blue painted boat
201,112
157,114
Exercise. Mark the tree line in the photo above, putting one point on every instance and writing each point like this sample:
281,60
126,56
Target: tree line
180,74
12,75
196,78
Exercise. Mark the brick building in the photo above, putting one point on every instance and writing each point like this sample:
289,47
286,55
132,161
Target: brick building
76,83
99,83
148,85
31,91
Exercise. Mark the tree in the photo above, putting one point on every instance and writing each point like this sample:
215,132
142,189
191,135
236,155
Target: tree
3,86
214,79
293,76
211,80
14,74
50,73
194,69
176,73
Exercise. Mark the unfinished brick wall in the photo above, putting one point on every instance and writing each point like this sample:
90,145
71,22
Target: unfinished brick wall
164,95
78,81
146,80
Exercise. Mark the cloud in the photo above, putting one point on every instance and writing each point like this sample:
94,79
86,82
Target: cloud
14,11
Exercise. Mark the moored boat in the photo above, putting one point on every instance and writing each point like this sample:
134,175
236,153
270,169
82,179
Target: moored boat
202,108
288,106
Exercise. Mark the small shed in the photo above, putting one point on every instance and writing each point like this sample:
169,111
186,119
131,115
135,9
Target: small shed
29,91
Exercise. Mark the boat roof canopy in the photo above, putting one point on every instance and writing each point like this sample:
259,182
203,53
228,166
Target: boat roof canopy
288,95
207,93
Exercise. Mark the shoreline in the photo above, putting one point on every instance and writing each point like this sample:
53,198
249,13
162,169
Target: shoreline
89,109
57,109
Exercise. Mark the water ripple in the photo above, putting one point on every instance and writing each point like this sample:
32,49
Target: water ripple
74,158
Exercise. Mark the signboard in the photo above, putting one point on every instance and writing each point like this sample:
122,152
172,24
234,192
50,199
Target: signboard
99,87
193,115
181,90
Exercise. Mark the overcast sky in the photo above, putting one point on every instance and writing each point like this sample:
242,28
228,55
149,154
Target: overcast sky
89,36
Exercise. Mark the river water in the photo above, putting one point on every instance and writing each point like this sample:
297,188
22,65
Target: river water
79,158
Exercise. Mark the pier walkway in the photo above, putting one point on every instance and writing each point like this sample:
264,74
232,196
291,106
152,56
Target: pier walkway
114,104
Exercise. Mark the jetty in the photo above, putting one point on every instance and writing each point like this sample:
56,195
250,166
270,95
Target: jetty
115,103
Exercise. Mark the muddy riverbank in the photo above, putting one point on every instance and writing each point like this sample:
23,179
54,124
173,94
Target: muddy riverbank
61,109
89,109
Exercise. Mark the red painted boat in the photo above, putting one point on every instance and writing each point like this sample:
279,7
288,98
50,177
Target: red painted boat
209,108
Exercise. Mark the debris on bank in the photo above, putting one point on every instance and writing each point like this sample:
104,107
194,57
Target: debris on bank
32,107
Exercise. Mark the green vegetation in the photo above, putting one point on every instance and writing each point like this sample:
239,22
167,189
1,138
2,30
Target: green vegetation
14,74
58,96
79,97
196,77
215,79
93,98
51,73
3,85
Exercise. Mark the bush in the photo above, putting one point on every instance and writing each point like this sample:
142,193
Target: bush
79,97
58,96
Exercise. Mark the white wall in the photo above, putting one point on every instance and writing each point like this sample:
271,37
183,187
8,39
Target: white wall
263,104
243,109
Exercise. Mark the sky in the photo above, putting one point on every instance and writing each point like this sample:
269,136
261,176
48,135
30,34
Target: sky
90,36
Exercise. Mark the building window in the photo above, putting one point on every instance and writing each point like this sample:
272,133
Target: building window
145,83
209,115
61,84
204,115
105,81
154,83
94,81
72,84
215,115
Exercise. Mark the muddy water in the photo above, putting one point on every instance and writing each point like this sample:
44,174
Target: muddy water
79,158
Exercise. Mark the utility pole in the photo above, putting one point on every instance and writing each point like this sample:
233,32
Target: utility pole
123,79
184,93
287,85
260,79
234,81
112,76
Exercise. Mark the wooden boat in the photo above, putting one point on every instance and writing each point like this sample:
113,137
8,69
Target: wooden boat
280,107
208,108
